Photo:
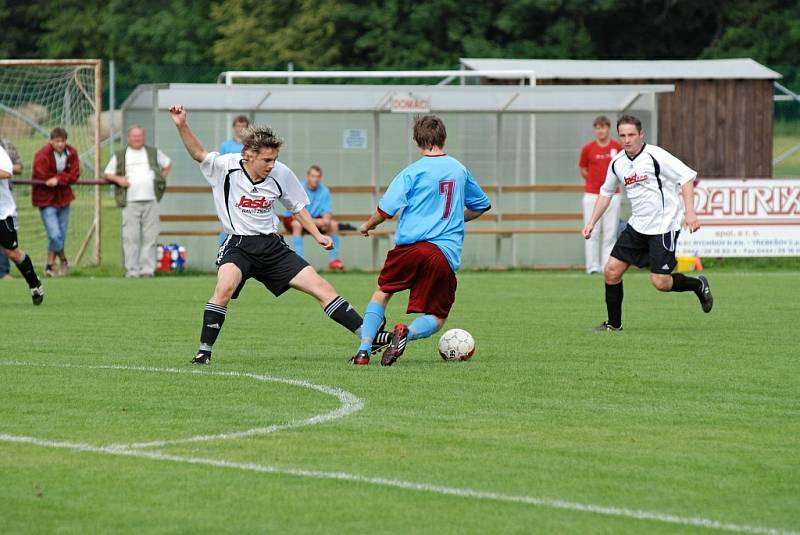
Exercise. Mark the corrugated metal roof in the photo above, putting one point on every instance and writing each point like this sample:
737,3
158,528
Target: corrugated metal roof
578,69
452,98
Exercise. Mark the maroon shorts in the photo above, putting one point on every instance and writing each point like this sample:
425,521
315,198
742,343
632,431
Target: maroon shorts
422,268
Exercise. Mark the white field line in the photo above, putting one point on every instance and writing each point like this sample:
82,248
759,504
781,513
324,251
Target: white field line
550,503
349,402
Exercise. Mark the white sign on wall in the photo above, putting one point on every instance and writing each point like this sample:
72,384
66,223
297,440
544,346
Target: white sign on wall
354,138
745,218
410,103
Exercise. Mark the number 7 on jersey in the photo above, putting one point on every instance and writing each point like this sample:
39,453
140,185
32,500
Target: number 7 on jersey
446,188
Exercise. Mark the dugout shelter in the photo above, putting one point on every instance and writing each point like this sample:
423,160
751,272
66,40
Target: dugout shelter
521,143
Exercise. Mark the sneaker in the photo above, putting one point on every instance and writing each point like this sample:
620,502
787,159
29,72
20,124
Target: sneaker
48,271
397,346
361,358
704,295
37,295
606,327
336,265
202,358
64,268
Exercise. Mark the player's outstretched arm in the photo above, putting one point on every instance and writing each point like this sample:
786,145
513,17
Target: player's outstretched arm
600,207
193,145
690,220
374,220
305,219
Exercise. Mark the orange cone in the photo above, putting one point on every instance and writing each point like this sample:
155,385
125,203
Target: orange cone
698,264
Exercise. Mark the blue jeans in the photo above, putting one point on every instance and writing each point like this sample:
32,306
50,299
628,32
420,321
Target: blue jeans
56,221
4,265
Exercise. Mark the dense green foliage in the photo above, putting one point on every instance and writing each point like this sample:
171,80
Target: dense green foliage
682,413
158,41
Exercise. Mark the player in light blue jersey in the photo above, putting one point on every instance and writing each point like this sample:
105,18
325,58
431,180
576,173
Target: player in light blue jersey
319,197
435,196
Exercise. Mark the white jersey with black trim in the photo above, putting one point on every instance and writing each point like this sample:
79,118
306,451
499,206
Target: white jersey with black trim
245,207
8,207
652,180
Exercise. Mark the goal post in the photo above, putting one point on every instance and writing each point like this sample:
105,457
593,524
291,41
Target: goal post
35,97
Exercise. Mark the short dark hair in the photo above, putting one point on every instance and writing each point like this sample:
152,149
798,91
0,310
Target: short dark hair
630,119
58,132
429,132
314,167
241,119
260,137
601,119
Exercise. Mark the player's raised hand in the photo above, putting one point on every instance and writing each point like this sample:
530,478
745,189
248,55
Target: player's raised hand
178,114
587,231
325,241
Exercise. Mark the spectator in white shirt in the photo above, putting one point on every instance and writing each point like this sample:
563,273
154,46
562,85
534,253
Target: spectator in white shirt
140,174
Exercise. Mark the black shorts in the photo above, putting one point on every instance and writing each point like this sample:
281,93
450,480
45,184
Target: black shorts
643,250
8,233
265,258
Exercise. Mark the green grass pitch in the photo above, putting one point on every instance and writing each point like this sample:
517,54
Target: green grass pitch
683,423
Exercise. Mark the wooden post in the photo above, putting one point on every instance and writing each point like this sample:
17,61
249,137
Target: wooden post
98,189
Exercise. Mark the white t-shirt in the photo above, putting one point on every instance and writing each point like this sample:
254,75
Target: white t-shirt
655,210
246,209
139,173
7,205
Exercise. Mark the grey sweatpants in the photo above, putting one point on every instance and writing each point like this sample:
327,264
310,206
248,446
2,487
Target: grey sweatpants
139,234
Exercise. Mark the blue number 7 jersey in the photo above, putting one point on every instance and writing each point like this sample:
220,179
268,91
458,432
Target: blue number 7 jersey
432,194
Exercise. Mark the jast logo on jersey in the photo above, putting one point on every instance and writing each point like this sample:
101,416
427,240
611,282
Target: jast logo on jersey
635,179
258,202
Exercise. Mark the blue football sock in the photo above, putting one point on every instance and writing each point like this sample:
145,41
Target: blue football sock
297,243
422,327
373,317
333,254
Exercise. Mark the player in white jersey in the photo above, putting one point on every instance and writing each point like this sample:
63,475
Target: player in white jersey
655,181
245,187
8,230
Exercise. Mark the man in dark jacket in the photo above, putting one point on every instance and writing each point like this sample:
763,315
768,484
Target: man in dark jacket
57,166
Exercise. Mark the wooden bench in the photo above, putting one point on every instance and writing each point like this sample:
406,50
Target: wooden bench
480,227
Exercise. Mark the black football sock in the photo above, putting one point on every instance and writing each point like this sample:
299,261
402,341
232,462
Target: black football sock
614,304
213,318
340,311
382,338
26,268
682,283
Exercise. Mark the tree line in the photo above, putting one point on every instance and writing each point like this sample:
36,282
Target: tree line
174,40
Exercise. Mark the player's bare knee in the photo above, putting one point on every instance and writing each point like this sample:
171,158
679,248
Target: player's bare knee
612,275
15,255
333,227
381,297
662,283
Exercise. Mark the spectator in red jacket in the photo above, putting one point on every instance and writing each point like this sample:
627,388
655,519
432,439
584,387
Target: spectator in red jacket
57,166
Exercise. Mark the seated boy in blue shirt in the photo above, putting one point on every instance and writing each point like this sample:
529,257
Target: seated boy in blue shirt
320,209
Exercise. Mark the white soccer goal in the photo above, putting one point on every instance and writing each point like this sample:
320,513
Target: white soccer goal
35,97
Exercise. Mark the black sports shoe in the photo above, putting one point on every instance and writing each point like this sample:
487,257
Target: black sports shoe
396,346
704,295
606,327
37,295
361,358
382,338
202,358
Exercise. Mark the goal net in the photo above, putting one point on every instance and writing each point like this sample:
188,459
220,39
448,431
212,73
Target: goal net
35,97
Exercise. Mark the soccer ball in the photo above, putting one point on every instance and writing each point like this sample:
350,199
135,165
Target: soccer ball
456,344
